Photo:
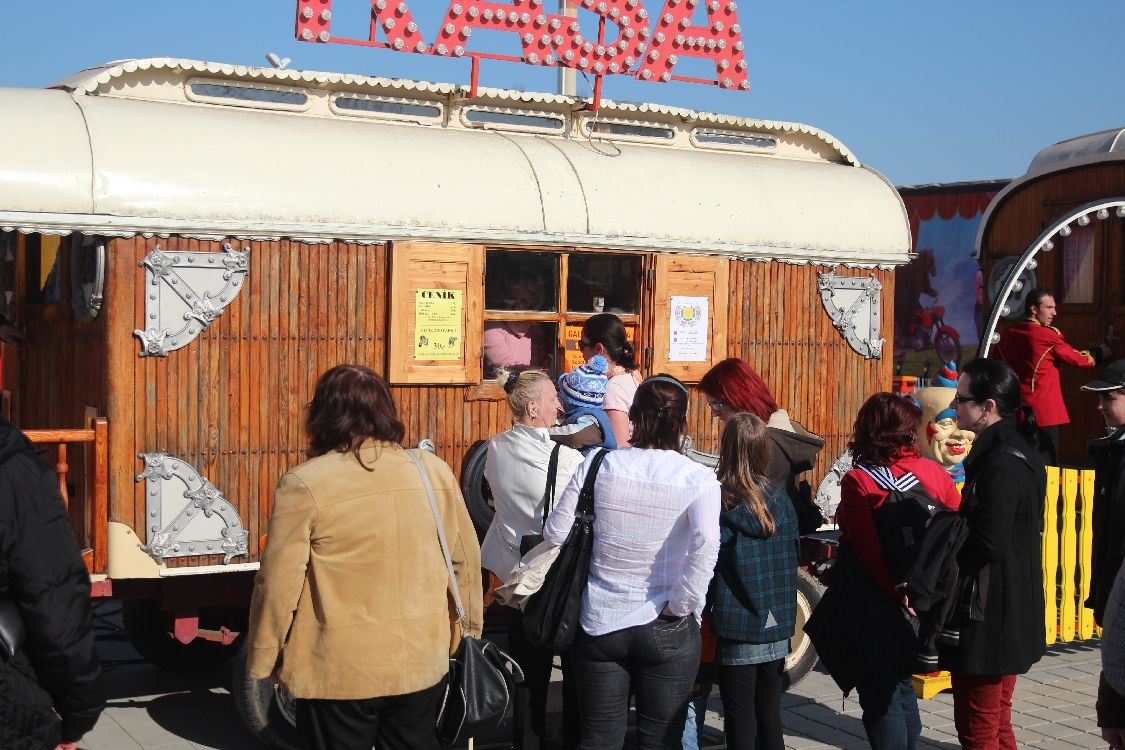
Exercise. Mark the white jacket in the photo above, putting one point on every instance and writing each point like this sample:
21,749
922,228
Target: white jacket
517,474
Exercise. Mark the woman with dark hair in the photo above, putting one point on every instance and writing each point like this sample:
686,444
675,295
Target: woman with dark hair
656,538
864,629
732,386
605,334
754,608
1000,630
351,606
519,462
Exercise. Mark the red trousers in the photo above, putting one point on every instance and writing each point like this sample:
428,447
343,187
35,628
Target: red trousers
982,711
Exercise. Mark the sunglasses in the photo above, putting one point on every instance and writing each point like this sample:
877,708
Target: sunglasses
963,399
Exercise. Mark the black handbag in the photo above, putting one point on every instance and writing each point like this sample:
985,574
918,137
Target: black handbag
550,615
529,542
13,633
481,676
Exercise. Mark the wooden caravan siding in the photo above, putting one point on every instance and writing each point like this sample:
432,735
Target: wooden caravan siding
1014,225
778,324
63,370
1016,222
231,402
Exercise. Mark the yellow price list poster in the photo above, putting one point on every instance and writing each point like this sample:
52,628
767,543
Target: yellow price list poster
439,324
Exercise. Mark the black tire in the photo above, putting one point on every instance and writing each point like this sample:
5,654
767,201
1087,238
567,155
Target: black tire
265,707
802,657
478,495
948,347
148,628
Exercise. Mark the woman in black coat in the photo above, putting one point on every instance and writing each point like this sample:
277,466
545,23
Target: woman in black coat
51,690
998,624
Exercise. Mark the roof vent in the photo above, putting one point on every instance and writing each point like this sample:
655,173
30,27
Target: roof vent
242,94
386,107
608,129
538,122
730,139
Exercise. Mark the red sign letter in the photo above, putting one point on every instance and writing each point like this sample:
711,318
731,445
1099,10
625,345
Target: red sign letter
720,40
550,39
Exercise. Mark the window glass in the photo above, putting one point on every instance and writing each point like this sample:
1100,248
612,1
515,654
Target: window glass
525,282
518,345
603,283
248,94
1079,262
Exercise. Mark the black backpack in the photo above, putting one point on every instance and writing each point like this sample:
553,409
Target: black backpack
903,521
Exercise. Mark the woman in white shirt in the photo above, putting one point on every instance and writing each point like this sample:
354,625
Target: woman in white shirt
516,470
656,539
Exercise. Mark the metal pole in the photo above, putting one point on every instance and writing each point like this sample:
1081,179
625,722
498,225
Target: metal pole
567,81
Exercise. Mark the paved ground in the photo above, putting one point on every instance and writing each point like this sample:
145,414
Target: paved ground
150,709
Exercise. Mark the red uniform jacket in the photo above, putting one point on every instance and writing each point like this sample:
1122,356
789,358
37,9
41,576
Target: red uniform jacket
1035,351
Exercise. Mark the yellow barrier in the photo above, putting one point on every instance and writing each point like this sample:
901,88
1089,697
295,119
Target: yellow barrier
1067,546
1068,533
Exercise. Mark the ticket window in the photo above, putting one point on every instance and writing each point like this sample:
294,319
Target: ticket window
448,327
521,295
536,302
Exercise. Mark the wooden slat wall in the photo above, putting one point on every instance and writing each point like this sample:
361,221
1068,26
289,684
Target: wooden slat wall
778,324
231,403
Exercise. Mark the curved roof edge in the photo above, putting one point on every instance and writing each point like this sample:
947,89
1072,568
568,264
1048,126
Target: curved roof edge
1049,168
125,226
1059,155
92,154
98,80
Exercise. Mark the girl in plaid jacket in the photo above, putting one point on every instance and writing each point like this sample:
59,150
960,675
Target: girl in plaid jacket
754,591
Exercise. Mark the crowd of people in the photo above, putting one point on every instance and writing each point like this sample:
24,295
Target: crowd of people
351,611
689,566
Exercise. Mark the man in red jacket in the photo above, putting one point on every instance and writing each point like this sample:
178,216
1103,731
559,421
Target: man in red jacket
1035,349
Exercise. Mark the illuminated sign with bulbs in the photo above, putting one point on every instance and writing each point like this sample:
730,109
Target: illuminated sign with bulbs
647,48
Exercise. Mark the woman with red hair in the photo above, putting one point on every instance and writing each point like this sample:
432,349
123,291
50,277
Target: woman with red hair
864,629
732,386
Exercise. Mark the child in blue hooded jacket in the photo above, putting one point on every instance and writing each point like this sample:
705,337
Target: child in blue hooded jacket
582,394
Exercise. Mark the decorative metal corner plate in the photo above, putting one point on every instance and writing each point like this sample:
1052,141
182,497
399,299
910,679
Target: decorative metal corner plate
854,305
184,293
828,491
206,524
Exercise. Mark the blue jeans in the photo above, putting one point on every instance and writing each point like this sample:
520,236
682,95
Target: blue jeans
658,661
693,725
890,712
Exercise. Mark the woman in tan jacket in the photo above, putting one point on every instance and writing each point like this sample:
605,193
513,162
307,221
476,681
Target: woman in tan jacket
351,610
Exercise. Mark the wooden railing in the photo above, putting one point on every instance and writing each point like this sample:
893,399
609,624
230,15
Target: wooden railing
88,510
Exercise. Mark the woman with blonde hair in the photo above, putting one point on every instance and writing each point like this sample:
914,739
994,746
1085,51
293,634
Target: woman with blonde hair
351,606
754,592
518,470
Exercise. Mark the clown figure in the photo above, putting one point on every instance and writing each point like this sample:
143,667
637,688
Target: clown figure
938,435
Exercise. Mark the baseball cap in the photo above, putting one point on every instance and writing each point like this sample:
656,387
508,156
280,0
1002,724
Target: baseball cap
1112,379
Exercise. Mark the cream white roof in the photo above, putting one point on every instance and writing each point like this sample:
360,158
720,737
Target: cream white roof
132,147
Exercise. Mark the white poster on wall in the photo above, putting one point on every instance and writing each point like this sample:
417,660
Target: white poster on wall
688,330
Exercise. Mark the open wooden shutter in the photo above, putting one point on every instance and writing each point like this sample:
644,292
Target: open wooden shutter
432,268
688,289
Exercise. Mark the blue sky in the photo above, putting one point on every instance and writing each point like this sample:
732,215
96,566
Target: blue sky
923,92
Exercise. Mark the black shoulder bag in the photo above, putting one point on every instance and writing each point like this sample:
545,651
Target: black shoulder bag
550,615
481,676
530,541
12,630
